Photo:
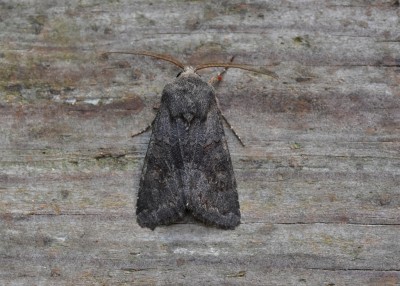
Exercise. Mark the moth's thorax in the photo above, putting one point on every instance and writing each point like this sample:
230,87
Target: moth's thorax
188,97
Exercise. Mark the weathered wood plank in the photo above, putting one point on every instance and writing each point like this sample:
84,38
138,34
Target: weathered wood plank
318,180
114,245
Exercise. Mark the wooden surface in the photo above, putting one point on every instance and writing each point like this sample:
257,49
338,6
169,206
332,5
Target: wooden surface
318,180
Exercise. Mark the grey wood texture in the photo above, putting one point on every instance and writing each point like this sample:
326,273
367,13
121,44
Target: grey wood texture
318,180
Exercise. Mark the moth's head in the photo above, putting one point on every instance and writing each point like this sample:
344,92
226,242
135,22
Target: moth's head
188,71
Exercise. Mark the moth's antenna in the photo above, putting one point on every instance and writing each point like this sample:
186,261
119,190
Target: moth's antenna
164,57
238,66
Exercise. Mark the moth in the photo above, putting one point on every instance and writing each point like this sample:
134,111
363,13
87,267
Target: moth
187,167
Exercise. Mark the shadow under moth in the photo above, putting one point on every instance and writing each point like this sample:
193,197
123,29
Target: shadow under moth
187,167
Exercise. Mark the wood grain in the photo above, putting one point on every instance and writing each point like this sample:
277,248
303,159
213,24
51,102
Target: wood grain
318,180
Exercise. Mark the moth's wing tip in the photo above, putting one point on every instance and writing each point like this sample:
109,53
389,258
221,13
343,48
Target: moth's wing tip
160,216
218,220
